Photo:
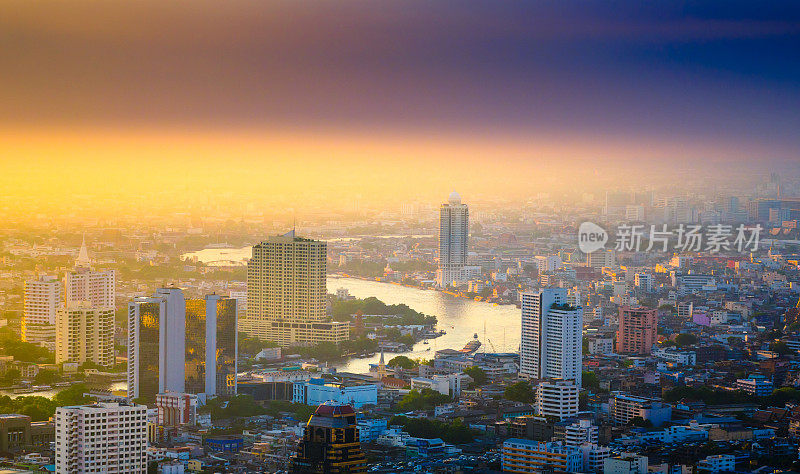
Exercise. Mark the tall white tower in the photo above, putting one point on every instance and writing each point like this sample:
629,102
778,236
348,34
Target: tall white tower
551,336
43,298
453,240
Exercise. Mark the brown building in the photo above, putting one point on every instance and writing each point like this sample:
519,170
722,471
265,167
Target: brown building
637,330
330,443
17,433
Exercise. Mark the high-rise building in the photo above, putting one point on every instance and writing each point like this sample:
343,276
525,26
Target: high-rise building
453,241
601,258
98,287
286,293
637,330
330,443
557,398
85,333
180,345
211,342
43,298
102,437
176,409
551,342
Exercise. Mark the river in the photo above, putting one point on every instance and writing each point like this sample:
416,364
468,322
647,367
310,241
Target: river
462,318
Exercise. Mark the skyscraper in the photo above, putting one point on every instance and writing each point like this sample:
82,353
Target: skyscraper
286,293
637,330
551,343
102,437
98,287
453,240
85,333
43,298
180,345
330,442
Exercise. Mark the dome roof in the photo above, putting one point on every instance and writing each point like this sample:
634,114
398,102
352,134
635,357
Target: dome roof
454,198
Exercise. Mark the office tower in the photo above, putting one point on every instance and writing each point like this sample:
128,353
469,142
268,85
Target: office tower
551,336
178,345
43,298
156,344
453,241
677,210
85,333
211,342
557,398
286,293
102,437
86,284
330,442
637,330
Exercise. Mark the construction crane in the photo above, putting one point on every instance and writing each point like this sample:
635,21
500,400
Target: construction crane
491,344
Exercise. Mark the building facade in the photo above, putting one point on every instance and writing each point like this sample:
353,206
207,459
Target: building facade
102,437
85,333
286,293
453,241
551,343
526,456
637,330
178,345
42,299
330,443
557,398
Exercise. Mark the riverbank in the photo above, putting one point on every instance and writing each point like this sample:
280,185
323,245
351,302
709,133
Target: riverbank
454,294
497,326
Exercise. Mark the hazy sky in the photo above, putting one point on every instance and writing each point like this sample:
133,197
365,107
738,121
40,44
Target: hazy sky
590,79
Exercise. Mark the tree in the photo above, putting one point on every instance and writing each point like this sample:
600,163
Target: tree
478,376
641,422
11,377
424,399
685,339
72,395
403,362
47,377
520,392
590,380
781,348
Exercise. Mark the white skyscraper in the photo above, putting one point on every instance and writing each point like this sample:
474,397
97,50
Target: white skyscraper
43,298
453,241
86,284
551,336
102,437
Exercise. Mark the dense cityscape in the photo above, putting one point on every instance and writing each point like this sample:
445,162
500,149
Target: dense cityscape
231,347
399,237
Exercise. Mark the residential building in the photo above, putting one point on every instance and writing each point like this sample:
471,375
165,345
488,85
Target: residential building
42,299
85,333
717,463
525,455
176,409
286,293
626,463
581,432
453,241
557,398
102,437
551,342
330,443
624,407
756,385
601,258
637,330
594,457
98,287
601,345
